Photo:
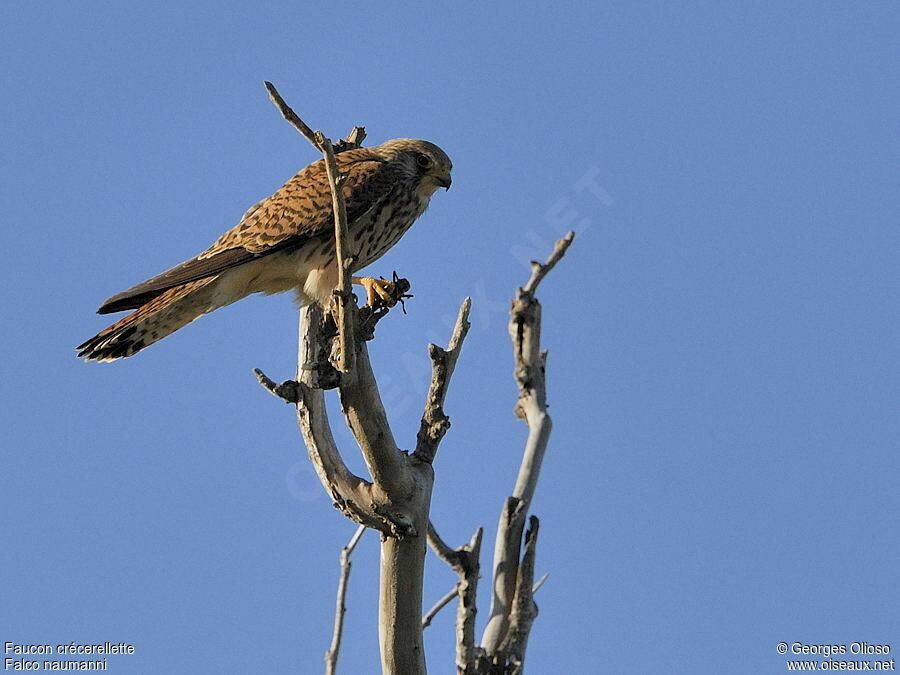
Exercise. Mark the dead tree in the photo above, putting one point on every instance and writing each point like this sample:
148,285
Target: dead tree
396,499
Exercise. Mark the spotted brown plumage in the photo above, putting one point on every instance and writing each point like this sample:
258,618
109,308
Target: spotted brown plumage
285,242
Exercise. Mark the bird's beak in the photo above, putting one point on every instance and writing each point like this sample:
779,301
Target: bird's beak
444,181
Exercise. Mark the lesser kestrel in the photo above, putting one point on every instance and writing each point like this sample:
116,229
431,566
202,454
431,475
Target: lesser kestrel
285,242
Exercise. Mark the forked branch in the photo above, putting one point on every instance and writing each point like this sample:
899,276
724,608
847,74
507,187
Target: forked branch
465,562
530,365
524,609
353,140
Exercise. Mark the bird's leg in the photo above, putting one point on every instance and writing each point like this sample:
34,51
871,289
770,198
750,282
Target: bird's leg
376,289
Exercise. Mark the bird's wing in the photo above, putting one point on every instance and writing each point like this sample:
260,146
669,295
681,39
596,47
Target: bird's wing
299,211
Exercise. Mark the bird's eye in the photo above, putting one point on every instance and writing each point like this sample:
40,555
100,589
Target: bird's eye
423,160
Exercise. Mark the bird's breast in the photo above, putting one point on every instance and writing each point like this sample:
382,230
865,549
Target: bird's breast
373,234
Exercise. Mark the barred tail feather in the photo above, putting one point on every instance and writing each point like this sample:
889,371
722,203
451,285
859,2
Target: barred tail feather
163,315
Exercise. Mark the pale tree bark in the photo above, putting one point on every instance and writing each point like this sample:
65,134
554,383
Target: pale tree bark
395,499
530,367
513,610
331,656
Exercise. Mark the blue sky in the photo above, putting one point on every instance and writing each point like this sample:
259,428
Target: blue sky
723,369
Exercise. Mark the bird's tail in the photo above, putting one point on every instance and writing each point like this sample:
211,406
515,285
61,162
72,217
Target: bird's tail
151,322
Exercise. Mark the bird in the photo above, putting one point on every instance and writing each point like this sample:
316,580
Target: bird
285,242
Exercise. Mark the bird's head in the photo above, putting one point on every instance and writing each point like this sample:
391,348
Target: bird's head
428,161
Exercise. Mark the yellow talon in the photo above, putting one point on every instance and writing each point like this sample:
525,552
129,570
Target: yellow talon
376,289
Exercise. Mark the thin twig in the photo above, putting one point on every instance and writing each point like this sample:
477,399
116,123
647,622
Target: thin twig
539,271
290,115
331,656
343,257
353,140
439,605
539,583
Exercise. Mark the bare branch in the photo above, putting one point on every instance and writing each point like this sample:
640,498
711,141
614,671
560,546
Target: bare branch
353,140
343,257
402,496
331,656
286,391
539,271
524,609
439,605
364,411
290,115
435,423
467,652
441,549
506,561
350,493
525,331
396,503
465,561
410,481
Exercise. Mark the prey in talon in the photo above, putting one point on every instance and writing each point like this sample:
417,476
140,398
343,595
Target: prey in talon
383,293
